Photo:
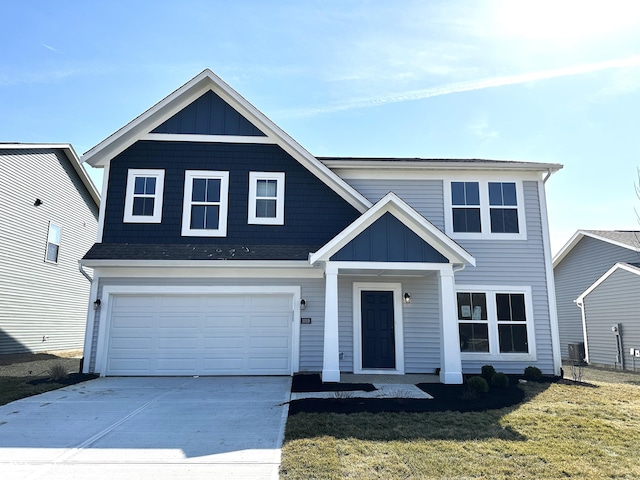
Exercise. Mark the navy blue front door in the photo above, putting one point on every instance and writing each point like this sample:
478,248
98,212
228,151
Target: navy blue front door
378,341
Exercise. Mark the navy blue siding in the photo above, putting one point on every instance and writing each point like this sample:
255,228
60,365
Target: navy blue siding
388,240
209,115
313,212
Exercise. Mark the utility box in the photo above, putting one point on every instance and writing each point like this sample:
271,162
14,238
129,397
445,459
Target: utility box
576,352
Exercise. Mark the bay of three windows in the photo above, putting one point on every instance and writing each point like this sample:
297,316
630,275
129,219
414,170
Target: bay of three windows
205,202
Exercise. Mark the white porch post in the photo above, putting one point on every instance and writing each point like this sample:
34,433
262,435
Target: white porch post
331,354
450,362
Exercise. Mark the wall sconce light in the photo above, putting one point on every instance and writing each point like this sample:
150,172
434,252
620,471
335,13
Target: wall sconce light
37,203
303,304
96,304
407,298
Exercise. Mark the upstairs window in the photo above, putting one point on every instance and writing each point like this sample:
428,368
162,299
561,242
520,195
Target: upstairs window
266,198
482,209
204,212
465,198
143,201
53,243
503,207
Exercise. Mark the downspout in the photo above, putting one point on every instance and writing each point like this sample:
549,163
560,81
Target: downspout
90,315
549,173
580,303
83,272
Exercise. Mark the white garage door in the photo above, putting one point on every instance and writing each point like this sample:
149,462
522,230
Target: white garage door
245,334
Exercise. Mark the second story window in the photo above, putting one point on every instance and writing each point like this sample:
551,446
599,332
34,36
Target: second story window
503,207
465,199
53,243
266,198
143,201
204,211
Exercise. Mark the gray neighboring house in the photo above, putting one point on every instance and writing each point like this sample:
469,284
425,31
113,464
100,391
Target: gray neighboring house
48,221
587,256
610,311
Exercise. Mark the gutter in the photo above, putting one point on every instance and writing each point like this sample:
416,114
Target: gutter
83,272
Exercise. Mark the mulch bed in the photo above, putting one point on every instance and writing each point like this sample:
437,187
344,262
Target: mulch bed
70,379
446,398
312,382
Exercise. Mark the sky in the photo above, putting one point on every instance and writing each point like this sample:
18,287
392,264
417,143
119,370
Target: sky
542,81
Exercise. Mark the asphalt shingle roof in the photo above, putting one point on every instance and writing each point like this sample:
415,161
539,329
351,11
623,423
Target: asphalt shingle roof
627,237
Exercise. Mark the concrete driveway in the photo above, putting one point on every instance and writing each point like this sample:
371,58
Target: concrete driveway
202,427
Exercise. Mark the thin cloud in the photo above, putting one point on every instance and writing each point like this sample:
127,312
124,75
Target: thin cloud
465,87
49,47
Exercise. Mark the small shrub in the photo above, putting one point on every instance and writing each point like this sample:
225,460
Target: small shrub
487,372
576,372
532,373
499,380
478,384
57,372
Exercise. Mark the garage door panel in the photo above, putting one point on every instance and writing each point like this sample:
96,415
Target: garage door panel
200,335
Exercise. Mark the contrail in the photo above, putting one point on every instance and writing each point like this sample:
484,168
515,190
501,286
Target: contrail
465,87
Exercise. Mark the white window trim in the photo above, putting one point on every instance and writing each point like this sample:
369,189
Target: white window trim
396,288
158,196
221,231
494,353
46,249
485,211
253,180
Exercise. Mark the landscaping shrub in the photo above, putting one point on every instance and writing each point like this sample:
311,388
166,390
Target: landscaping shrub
532,373
478,384
57,372
499,380
487,372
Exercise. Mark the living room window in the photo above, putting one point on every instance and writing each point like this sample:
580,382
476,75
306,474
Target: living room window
495,321
266,198
205,205
143,199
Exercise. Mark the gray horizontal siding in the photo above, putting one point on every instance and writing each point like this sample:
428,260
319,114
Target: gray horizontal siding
312,290
39,299
614,301
516,263
584,264
425,196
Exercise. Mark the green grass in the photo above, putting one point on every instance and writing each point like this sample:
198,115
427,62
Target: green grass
15,388
560,431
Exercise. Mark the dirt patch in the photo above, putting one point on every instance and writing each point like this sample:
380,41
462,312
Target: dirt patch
38,364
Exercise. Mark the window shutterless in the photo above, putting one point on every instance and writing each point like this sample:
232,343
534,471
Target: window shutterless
144,196
205,203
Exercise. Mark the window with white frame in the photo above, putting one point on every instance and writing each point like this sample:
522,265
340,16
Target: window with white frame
484,209
143,200
266,198
204,212
53,243
495,321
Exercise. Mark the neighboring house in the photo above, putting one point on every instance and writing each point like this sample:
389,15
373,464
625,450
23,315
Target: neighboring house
587,256
610,313
226,248
48,220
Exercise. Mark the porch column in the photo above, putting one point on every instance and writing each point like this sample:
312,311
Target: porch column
331,354
450,362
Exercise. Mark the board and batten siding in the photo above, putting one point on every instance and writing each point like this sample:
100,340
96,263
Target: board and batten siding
589,259
312,290
43,306
615,301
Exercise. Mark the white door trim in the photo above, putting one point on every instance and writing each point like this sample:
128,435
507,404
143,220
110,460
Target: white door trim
108,291
396,288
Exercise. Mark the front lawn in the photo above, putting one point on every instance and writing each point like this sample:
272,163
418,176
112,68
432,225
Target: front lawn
559,431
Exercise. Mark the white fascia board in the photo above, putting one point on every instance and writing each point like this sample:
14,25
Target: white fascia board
409,217
439,165
573,241
619,265
71,154
138,128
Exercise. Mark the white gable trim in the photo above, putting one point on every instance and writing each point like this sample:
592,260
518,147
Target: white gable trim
573,241
410,218
620,265
189,137
137,129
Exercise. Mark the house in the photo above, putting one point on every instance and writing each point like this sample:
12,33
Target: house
226,248
48,220
587,256
609,310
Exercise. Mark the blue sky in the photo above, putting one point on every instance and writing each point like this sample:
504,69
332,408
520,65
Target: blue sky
536,81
